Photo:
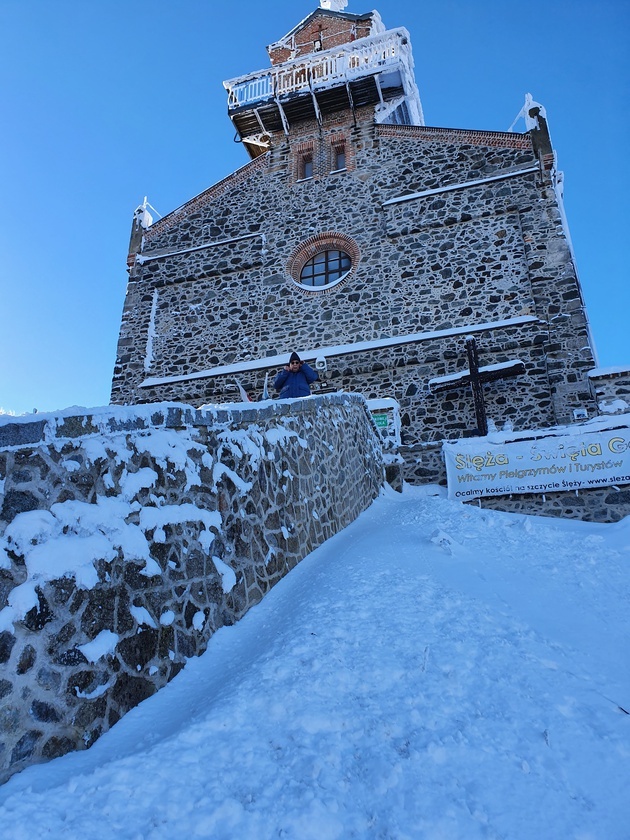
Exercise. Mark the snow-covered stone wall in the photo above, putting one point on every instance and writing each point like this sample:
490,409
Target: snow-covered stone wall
128,536
611,389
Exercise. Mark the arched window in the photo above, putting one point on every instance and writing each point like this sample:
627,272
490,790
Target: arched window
325,268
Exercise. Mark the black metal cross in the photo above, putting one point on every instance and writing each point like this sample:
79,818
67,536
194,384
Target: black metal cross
477,377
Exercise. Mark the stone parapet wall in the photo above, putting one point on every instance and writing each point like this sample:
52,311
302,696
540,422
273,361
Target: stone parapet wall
128,536
423,464
596,504
611,390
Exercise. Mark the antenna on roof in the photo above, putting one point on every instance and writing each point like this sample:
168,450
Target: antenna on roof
146,204
530,121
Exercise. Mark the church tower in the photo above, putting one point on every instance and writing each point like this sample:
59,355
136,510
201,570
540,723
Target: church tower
409,261
332,63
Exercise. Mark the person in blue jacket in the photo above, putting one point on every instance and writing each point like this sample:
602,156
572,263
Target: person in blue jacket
295,379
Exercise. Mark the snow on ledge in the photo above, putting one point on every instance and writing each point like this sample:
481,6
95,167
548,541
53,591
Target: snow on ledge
594,425
595,373
501,176
613,406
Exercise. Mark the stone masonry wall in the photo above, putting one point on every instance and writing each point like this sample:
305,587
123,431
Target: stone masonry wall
611,390
213,285
129,536
405,370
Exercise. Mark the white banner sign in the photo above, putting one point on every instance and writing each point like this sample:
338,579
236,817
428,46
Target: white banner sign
480,467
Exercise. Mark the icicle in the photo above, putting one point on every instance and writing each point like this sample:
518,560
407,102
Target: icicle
148,356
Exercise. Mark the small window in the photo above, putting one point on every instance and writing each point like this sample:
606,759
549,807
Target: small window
339,158
306,167
325,268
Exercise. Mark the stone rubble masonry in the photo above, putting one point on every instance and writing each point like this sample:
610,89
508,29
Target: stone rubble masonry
284,477
611,389
213,284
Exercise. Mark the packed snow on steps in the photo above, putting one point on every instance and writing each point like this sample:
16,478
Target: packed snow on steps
434,671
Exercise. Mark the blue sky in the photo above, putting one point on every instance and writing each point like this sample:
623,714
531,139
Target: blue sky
104,102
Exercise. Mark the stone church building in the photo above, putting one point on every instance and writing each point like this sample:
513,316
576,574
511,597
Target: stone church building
394,256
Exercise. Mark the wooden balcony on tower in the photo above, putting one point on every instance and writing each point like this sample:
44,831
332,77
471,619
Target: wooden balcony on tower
377,70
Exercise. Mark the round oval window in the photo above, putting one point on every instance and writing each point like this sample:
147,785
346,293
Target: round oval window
325,268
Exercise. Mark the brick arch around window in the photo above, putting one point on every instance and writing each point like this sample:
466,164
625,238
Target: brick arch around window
309,248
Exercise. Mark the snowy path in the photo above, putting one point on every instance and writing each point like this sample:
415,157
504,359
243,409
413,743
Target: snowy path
435,672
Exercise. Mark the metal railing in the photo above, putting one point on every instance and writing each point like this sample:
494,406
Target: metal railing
361,57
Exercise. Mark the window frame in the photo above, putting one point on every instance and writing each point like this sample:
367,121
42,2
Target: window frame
307,160
338,150
309,248
342,258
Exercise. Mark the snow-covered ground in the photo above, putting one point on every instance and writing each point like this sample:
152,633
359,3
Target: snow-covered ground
434,672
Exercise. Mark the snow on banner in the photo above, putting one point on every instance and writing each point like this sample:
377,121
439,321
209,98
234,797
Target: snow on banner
551,464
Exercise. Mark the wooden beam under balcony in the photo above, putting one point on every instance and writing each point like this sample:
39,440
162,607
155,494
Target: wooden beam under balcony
302,106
